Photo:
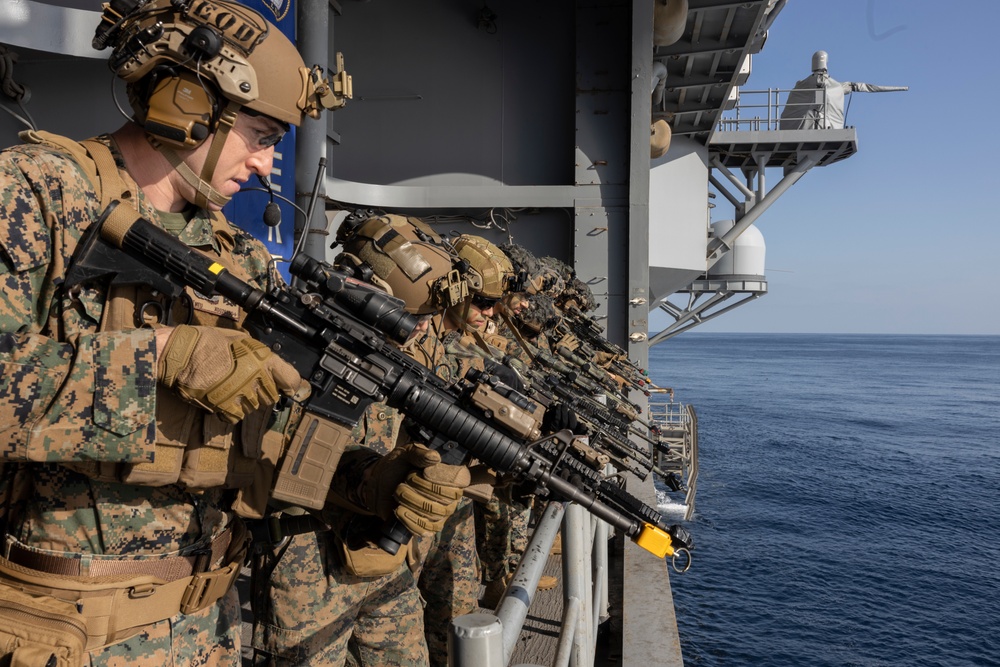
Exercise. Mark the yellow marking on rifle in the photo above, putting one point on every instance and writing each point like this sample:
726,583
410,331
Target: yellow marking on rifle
655,540
216,268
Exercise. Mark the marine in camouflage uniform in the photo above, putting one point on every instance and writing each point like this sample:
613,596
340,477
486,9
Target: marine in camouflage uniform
109,473
69,389
502,524
446,564
317,611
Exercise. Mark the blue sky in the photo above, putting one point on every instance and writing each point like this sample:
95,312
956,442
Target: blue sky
903,237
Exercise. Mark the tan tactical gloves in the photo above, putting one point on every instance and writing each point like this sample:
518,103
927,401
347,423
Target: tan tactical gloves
425,496
224,370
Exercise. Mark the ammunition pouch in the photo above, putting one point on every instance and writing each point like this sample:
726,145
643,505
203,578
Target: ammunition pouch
40,631
58,607
252,499
359,550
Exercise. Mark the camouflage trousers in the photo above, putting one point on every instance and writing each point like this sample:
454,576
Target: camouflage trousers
447,571
316,612
501,535
208,638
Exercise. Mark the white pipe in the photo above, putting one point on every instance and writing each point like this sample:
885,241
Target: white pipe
513,609
659,82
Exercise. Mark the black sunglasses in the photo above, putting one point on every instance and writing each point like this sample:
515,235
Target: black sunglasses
483,302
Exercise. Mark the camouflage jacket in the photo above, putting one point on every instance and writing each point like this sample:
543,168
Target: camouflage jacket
378,429
461,352
78,390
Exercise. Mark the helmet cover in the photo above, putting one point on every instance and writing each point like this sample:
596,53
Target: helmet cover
246,59
490,273
419,273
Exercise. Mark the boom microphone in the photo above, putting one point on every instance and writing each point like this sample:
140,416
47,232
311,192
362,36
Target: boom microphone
272,213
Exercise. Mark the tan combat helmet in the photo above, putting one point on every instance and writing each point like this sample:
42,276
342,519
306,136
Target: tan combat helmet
191,65
490,274
421,274
411,228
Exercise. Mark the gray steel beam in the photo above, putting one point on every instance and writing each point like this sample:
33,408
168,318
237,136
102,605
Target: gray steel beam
720,245
637,316
312,25
705,5
746,192
42,25
464,196
649,626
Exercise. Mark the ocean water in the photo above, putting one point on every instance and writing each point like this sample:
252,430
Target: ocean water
848,507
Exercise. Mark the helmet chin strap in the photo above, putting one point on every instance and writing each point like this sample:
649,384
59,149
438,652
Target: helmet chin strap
204,192
463,309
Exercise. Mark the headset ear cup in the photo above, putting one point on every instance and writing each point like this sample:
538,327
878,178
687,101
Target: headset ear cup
179,110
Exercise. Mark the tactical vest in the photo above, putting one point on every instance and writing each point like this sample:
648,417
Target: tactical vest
425,349
193,447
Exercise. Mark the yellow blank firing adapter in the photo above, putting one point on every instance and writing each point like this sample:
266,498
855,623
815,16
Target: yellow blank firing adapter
655,540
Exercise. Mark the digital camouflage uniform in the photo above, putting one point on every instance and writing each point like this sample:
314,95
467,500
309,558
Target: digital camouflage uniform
317,612
446,564
501,533
75,391
315,603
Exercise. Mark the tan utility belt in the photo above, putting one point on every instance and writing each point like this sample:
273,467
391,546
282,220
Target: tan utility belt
113,599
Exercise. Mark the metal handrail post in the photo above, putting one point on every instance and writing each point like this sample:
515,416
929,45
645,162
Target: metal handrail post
590,602
773,106
513,608
600,572
574,566
476,640
571,615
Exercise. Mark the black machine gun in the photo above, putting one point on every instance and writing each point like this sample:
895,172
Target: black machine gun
606,430
338,335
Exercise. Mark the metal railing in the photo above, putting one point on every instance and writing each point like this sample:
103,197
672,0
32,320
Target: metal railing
758,110
488,640
677,452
